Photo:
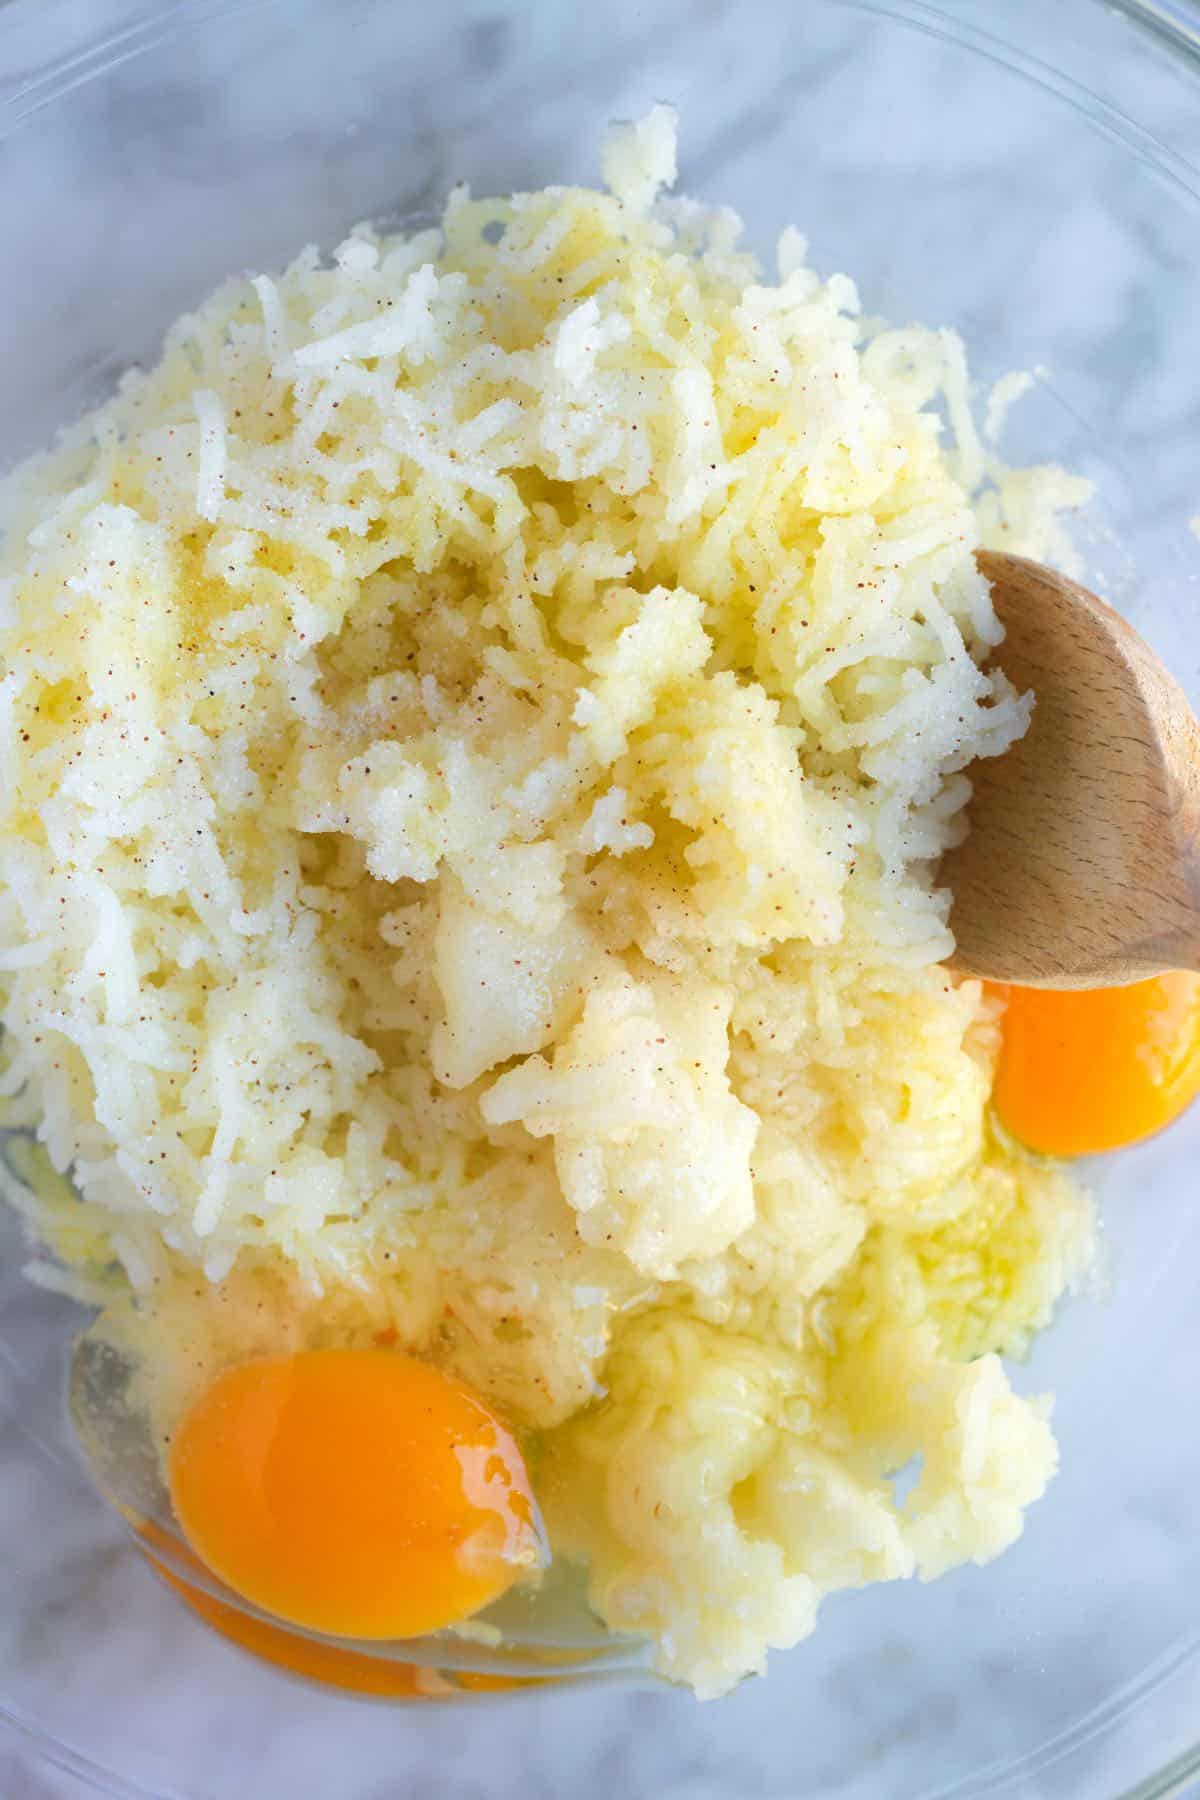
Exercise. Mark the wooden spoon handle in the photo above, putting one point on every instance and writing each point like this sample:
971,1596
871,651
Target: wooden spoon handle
1173,903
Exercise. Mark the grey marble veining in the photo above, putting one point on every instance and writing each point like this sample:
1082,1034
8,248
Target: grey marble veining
904,1689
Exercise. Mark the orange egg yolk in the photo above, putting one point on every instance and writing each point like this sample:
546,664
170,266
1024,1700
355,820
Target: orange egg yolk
1090,1071
360,1493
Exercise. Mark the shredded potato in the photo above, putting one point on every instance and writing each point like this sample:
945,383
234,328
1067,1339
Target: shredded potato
478,720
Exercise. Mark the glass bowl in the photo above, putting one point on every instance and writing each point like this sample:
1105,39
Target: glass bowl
1026,174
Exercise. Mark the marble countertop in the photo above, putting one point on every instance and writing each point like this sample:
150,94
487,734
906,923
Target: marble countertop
904,1690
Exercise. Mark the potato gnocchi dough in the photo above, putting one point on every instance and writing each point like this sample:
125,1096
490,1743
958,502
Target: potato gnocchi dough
478,722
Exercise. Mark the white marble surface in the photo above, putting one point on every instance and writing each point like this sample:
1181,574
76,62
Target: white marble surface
943,198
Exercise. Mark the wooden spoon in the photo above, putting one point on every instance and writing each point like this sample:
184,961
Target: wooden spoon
1082,866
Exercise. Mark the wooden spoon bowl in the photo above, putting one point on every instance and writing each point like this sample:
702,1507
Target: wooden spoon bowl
1082,866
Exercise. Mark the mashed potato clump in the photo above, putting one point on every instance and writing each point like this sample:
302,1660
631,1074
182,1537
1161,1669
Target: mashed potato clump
477,721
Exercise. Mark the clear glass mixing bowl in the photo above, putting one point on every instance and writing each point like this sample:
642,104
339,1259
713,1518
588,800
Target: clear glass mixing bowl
1027,173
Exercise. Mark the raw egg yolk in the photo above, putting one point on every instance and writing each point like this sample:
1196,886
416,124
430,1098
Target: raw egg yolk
360,1493
1089,1071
